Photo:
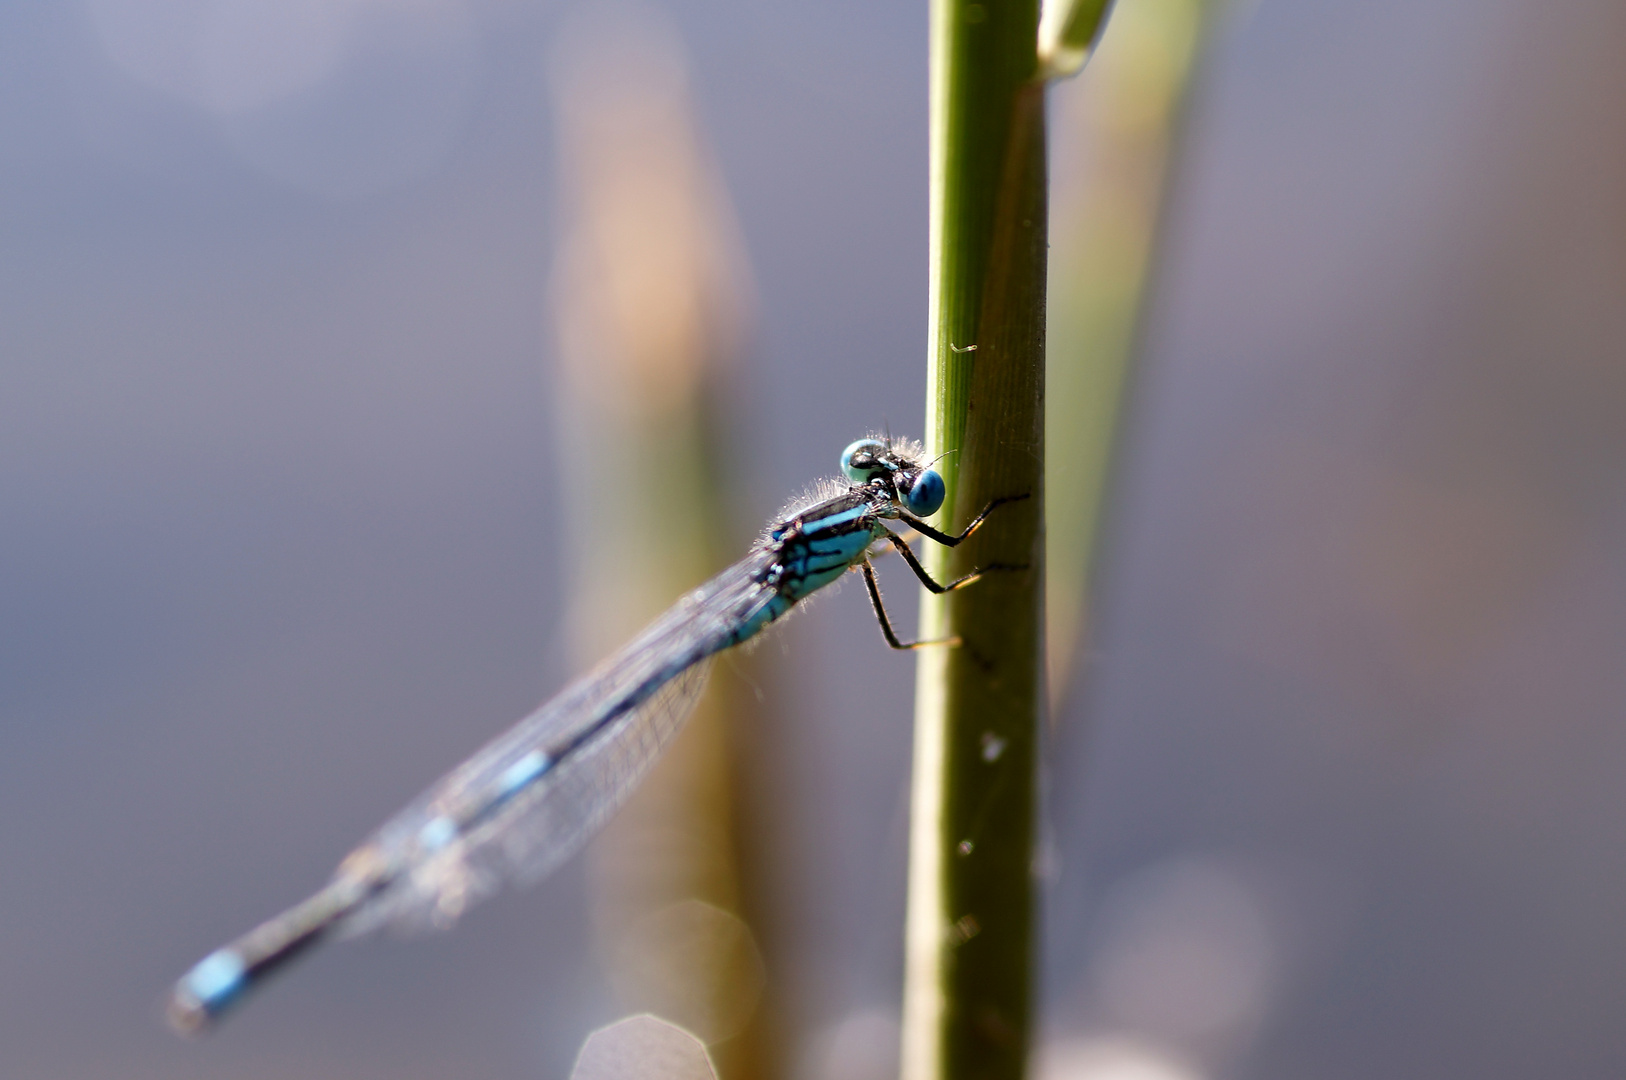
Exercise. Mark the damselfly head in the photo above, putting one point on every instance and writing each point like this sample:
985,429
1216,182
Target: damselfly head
900,465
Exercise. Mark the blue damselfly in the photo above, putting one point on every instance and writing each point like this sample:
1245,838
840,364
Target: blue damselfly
531,797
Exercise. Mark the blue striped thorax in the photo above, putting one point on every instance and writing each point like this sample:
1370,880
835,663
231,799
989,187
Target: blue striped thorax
824,541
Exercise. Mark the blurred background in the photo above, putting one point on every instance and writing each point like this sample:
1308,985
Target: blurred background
291,519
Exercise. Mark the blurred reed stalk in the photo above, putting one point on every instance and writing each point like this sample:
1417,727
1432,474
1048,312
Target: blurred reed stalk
649,301
969,948
1114,130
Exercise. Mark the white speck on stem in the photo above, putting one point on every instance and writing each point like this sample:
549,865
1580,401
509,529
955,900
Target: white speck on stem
992,747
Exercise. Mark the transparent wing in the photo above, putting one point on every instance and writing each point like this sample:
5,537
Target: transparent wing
519,836
518,807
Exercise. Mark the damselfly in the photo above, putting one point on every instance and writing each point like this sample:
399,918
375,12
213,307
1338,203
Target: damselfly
531,797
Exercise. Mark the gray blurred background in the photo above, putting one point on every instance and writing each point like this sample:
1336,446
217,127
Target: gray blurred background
1339,794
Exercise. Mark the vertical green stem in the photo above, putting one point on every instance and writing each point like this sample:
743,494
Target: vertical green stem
978,705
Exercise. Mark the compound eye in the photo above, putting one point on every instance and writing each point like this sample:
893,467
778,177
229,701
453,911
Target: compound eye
925,495
861,462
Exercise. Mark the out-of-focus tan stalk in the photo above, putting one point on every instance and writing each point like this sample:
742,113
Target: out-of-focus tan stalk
648,301
1113,130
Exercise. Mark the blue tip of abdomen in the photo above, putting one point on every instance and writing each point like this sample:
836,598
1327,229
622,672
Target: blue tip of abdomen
208,990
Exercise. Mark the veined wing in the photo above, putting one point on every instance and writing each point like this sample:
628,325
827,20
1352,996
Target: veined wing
518,807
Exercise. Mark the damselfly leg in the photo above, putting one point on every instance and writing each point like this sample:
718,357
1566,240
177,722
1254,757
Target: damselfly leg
886,623
948,540
926,579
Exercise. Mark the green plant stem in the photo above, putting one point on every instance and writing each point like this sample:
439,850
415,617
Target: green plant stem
978,705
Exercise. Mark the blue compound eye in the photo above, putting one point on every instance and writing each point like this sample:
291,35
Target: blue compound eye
861,461
925,494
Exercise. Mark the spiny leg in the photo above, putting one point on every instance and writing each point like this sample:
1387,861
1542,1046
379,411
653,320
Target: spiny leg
954,541
920,571
886,623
